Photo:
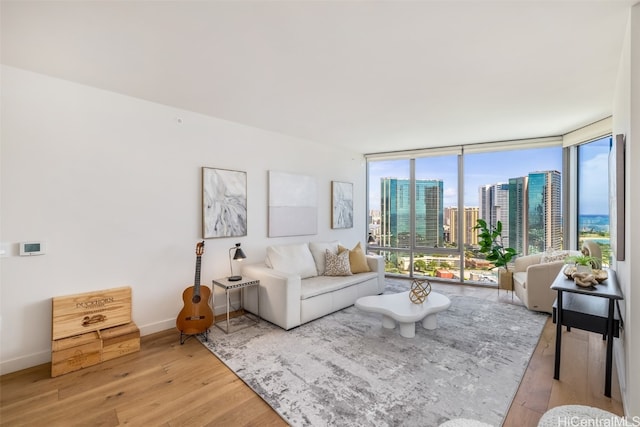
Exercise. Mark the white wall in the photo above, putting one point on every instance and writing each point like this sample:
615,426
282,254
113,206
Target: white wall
626,120
112,185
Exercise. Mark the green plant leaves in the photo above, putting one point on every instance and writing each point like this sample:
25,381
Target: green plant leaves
490,241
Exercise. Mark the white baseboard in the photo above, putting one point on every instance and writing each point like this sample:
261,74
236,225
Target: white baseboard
152,328
621,371
24,362
39,358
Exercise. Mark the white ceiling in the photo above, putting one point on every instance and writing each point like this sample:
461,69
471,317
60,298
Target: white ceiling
370,76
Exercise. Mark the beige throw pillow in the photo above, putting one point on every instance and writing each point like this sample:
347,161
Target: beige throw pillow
357,259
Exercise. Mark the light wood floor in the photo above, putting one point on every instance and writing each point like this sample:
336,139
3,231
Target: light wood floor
166,384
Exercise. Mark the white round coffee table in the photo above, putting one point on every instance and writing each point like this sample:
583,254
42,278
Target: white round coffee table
399,308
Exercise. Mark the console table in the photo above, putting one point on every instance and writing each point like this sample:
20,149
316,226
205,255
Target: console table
589,309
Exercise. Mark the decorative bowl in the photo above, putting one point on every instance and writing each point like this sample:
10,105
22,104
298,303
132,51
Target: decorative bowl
584,280
600,275
569,270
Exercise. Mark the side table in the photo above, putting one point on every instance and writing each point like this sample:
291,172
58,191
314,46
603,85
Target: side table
229,286
589,309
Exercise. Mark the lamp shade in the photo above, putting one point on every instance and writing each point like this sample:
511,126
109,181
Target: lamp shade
238,255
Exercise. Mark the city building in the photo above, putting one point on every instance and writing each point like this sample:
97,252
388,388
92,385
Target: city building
469,235
518,213
395,213
494,206
544,211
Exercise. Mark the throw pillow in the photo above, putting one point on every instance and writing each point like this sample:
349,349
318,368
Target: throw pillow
553,256
357,259
293,259
337,264
318,249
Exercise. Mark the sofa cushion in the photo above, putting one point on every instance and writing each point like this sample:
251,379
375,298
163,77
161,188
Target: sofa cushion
318,251
520,278
293,259
357,259
337,264
318,285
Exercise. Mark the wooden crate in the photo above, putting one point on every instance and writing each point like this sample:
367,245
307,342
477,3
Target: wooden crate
120,340
77,352
81,313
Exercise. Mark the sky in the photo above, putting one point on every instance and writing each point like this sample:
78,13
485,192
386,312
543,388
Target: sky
492,168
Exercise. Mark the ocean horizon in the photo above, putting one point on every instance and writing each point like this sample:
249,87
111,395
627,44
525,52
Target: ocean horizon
594,222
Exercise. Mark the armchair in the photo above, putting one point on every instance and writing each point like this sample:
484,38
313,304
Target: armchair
533,276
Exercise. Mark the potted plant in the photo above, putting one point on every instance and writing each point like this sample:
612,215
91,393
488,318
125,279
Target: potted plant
583,262
490,241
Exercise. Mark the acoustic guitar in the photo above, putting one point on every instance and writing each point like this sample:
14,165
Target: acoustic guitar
196,316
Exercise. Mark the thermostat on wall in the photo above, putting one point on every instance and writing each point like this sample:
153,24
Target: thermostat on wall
31,248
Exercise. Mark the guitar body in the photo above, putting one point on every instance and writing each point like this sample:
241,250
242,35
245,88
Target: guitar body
196,316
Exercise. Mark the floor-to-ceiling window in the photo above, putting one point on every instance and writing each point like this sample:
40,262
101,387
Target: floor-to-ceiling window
389,209
423,226
436,194
522,190
593,194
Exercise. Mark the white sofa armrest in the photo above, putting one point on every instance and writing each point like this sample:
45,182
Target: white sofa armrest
279,295
376,264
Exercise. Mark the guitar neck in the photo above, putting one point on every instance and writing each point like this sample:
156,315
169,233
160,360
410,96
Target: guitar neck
196,281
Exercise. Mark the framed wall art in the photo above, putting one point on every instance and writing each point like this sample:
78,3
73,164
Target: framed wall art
224,203
616,196
293,205
341,204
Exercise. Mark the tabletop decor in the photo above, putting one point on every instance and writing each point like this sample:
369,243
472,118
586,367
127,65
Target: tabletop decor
600,275
420,290
584,280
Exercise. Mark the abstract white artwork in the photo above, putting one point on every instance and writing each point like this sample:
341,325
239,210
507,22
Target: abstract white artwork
224,203
293,205
341,204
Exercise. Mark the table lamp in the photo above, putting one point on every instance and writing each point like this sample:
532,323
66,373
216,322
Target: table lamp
237,256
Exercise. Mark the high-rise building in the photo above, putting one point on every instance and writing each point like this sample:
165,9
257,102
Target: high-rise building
470,218
494,206
395,224
544,211
518,213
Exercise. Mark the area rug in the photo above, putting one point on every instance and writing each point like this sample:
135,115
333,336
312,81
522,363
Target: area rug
346,370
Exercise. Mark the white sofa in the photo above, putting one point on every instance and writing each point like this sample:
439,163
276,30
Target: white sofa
294,288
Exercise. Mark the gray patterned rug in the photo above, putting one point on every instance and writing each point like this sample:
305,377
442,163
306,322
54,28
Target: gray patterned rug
346,370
